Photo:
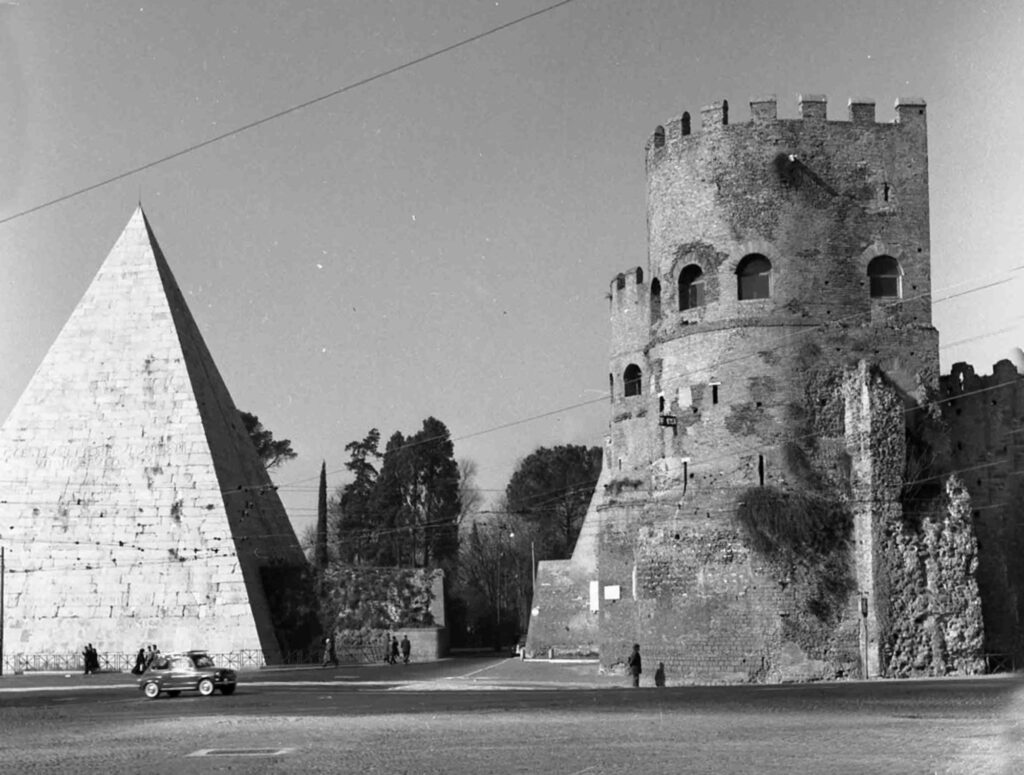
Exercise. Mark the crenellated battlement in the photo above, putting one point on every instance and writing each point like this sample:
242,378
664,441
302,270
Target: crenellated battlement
764,110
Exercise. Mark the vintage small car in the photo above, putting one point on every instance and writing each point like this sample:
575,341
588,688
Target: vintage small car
189,671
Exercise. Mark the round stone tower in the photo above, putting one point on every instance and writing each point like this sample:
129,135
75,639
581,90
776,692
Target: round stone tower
786,256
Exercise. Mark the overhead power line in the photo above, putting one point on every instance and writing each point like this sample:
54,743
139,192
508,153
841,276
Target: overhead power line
286,111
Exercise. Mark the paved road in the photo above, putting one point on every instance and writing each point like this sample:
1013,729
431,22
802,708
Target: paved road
504,716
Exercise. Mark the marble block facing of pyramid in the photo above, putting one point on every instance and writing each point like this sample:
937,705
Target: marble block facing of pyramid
134,508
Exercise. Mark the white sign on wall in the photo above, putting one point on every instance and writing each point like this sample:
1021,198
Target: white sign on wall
612,592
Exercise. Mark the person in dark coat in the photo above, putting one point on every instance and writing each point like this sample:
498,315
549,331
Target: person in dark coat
140,662
406,649
634,664
659,675
393,658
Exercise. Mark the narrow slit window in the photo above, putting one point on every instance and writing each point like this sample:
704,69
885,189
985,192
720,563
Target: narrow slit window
686,475
714,394
760,470
655,301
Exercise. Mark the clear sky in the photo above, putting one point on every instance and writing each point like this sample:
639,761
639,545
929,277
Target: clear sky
440,241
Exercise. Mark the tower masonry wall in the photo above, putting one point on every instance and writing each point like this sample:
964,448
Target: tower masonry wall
818,198
985,414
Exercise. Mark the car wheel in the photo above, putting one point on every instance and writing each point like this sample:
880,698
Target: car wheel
206,687
227,689
173,693
152,690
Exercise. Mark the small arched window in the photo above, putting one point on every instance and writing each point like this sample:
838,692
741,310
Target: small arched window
655,300
685,123
659,137
639,276
632,379
691,287
754,277
884,274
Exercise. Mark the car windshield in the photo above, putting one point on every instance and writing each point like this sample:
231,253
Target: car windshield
202,660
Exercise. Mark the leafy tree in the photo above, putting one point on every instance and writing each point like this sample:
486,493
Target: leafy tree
273,452
354,505
493,581
551,489
416,498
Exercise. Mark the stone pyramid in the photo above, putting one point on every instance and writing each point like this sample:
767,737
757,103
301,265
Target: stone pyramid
134,508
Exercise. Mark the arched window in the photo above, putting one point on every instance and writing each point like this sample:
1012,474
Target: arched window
691,287
884,274
685,123
754,277
632,379
639,275
655,300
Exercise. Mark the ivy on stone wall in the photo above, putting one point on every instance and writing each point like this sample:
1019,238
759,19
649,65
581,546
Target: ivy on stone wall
356,597
803,539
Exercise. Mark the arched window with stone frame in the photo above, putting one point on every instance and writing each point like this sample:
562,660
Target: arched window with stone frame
632,381
691,287
754,277
885,278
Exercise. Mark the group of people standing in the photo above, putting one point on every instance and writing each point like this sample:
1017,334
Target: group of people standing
90,659
405,646
391,651
145,658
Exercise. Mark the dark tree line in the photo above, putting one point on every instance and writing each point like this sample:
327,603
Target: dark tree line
402,506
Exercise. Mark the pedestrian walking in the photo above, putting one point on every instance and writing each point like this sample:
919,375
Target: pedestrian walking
634,664
330,654
406,649
659,675
393,660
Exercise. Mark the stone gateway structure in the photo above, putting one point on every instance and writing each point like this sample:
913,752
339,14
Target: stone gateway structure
135,509
777,500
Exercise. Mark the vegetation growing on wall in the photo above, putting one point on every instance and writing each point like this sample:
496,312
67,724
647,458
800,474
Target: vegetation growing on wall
803,538
376,598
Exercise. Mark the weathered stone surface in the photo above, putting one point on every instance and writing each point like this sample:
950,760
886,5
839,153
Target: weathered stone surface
801,389
135,509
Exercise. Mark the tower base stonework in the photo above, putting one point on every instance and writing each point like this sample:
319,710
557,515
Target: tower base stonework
136,509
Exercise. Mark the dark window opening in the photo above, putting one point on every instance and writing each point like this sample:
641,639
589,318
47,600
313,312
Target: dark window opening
760,470
655,300
659,137
885,192
639,275
661,404
620,281
611,386
685,123
686,475
691,288
714,394
884,274
754,277
632,379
